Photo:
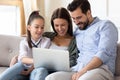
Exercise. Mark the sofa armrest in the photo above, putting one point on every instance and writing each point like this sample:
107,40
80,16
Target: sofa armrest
9,46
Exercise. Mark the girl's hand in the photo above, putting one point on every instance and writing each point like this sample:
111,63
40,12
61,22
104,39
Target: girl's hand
27,72
14,60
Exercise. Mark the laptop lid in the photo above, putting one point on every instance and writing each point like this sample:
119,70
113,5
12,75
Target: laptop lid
52,59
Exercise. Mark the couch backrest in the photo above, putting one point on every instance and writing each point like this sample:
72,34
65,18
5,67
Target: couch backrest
9,46
117,70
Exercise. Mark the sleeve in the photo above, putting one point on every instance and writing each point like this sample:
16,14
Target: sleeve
23,51
108,42
73,51
50,35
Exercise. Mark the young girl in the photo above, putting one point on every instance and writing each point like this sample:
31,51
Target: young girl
24,66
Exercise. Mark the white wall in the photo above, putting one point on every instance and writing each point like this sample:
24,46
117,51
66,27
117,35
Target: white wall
104,9
107,9
48,8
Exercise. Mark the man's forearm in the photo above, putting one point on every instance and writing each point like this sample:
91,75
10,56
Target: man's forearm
94,63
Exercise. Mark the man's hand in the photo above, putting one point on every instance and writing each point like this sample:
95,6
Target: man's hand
77,75
94,63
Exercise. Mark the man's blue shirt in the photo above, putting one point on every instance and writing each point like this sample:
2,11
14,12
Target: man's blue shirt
100,40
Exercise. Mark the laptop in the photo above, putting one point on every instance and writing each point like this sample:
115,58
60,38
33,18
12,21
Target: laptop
52,59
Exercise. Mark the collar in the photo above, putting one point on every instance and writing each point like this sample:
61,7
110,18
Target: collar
39,40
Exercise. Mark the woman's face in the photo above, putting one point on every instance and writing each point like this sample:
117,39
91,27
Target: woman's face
61,26
36,28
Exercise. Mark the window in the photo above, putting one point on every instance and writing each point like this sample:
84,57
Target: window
9,18
12,19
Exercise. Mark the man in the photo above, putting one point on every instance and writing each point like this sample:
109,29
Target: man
96,41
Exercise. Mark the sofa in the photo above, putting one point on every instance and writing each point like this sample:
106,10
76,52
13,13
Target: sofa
9,46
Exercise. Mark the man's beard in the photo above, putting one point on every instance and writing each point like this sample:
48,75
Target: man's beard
85,24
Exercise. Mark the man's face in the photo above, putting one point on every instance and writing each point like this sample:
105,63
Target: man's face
80,19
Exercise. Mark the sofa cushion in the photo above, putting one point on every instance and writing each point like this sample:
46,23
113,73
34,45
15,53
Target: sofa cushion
117,66
9,46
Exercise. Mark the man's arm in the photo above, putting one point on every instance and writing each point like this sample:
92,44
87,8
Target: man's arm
94,63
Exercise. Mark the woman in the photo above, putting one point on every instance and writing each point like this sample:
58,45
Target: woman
62,38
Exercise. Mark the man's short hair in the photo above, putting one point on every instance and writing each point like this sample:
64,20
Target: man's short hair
84,5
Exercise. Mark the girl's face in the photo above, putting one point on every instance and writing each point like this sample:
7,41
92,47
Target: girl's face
36,28
61,26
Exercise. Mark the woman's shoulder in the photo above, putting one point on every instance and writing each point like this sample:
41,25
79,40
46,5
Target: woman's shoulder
72,43
45,38
73,40
50,35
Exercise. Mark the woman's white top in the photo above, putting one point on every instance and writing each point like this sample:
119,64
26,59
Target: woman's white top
54,46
